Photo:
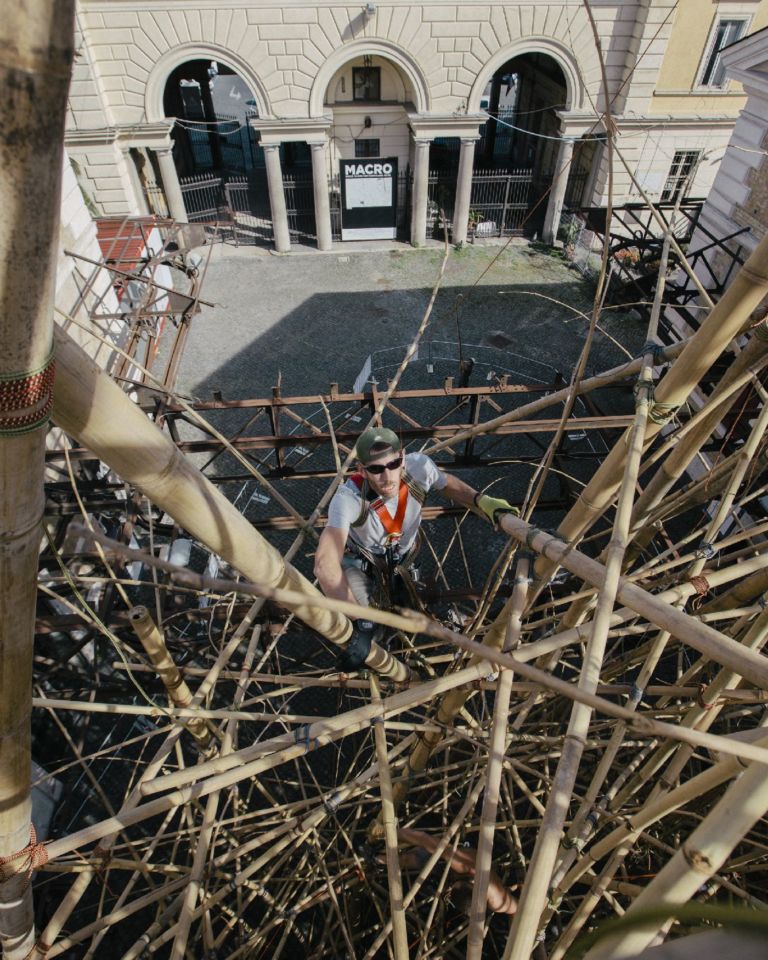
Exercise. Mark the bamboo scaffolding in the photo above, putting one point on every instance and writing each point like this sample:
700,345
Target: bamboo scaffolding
280,859
727,319
38,47
86,406
702,854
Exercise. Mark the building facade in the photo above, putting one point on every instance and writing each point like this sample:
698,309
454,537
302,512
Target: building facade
167,90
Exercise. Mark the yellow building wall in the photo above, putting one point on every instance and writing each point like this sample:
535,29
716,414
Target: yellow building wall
675,91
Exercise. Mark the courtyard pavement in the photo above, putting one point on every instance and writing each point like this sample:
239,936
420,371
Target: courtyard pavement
306,319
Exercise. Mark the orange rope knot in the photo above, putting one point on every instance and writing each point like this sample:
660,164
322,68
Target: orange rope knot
31,857
700,698
702,588
26,399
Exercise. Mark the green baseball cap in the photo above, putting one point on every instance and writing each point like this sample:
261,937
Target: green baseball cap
375,436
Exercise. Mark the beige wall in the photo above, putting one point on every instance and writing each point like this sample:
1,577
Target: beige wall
437,55
688,43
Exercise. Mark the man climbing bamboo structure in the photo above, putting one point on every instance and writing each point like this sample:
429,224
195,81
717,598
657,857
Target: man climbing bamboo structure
368,547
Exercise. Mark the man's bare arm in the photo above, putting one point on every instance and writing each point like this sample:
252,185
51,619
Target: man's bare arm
328,569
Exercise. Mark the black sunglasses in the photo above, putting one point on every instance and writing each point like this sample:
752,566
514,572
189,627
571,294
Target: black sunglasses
378,468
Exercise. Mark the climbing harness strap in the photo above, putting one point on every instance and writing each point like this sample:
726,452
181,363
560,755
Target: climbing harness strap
393,526
414,488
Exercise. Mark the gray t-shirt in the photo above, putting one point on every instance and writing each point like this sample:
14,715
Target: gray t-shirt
346,504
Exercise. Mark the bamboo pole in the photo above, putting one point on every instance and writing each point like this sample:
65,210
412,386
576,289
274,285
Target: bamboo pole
699,857
90,407
389,823
103,849
179,693
497,747
673,466
726,320
752,641
713,644
534,892
266,755
37,41
623,372
192,893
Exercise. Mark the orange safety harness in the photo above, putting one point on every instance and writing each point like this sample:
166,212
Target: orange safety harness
393,526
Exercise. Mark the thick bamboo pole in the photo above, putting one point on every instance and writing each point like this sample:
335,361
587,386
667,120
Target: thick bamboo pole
534,893
698,858
673,466
37,40
90,407
713,644
497,747
727,319
389,823
179,693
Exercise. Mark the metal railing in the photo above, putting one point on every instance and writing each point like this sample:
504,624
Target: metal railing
500,202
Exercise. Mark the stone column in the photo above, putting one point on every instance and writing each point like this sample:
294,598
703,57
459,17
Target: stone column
557,193
320,191
139,206
463,191
171,185
420,192
280,229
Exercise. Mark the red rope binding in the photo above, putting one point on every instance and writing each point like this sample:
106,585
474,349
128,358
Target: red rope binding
702,588
31,857
700,698
26,400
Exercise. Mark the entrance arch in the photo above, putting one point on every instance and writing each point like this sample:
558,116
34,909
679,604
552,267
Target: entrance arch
526,89
185,52
575,93
218,163
409,69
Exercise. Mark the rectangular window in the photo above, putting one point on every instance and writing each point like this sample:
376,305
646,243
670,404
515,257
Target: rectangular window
366,83
683,163
367,148
726,32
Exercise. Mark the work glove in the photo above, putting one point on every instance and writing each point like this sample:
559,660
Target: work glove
355,651
492,507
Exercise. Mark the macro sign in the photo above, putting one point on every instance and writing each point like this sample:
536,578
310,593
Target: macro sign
369,198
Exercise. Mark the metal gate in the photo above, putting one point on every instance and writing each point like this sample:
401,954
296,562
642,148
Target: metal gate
441,199
500,202
240,203
300,206
247,199
204,198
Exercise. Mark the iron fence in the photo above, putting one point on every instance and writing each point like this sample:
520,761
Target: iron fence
300,206
203,196
241,203
500,202
248,201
